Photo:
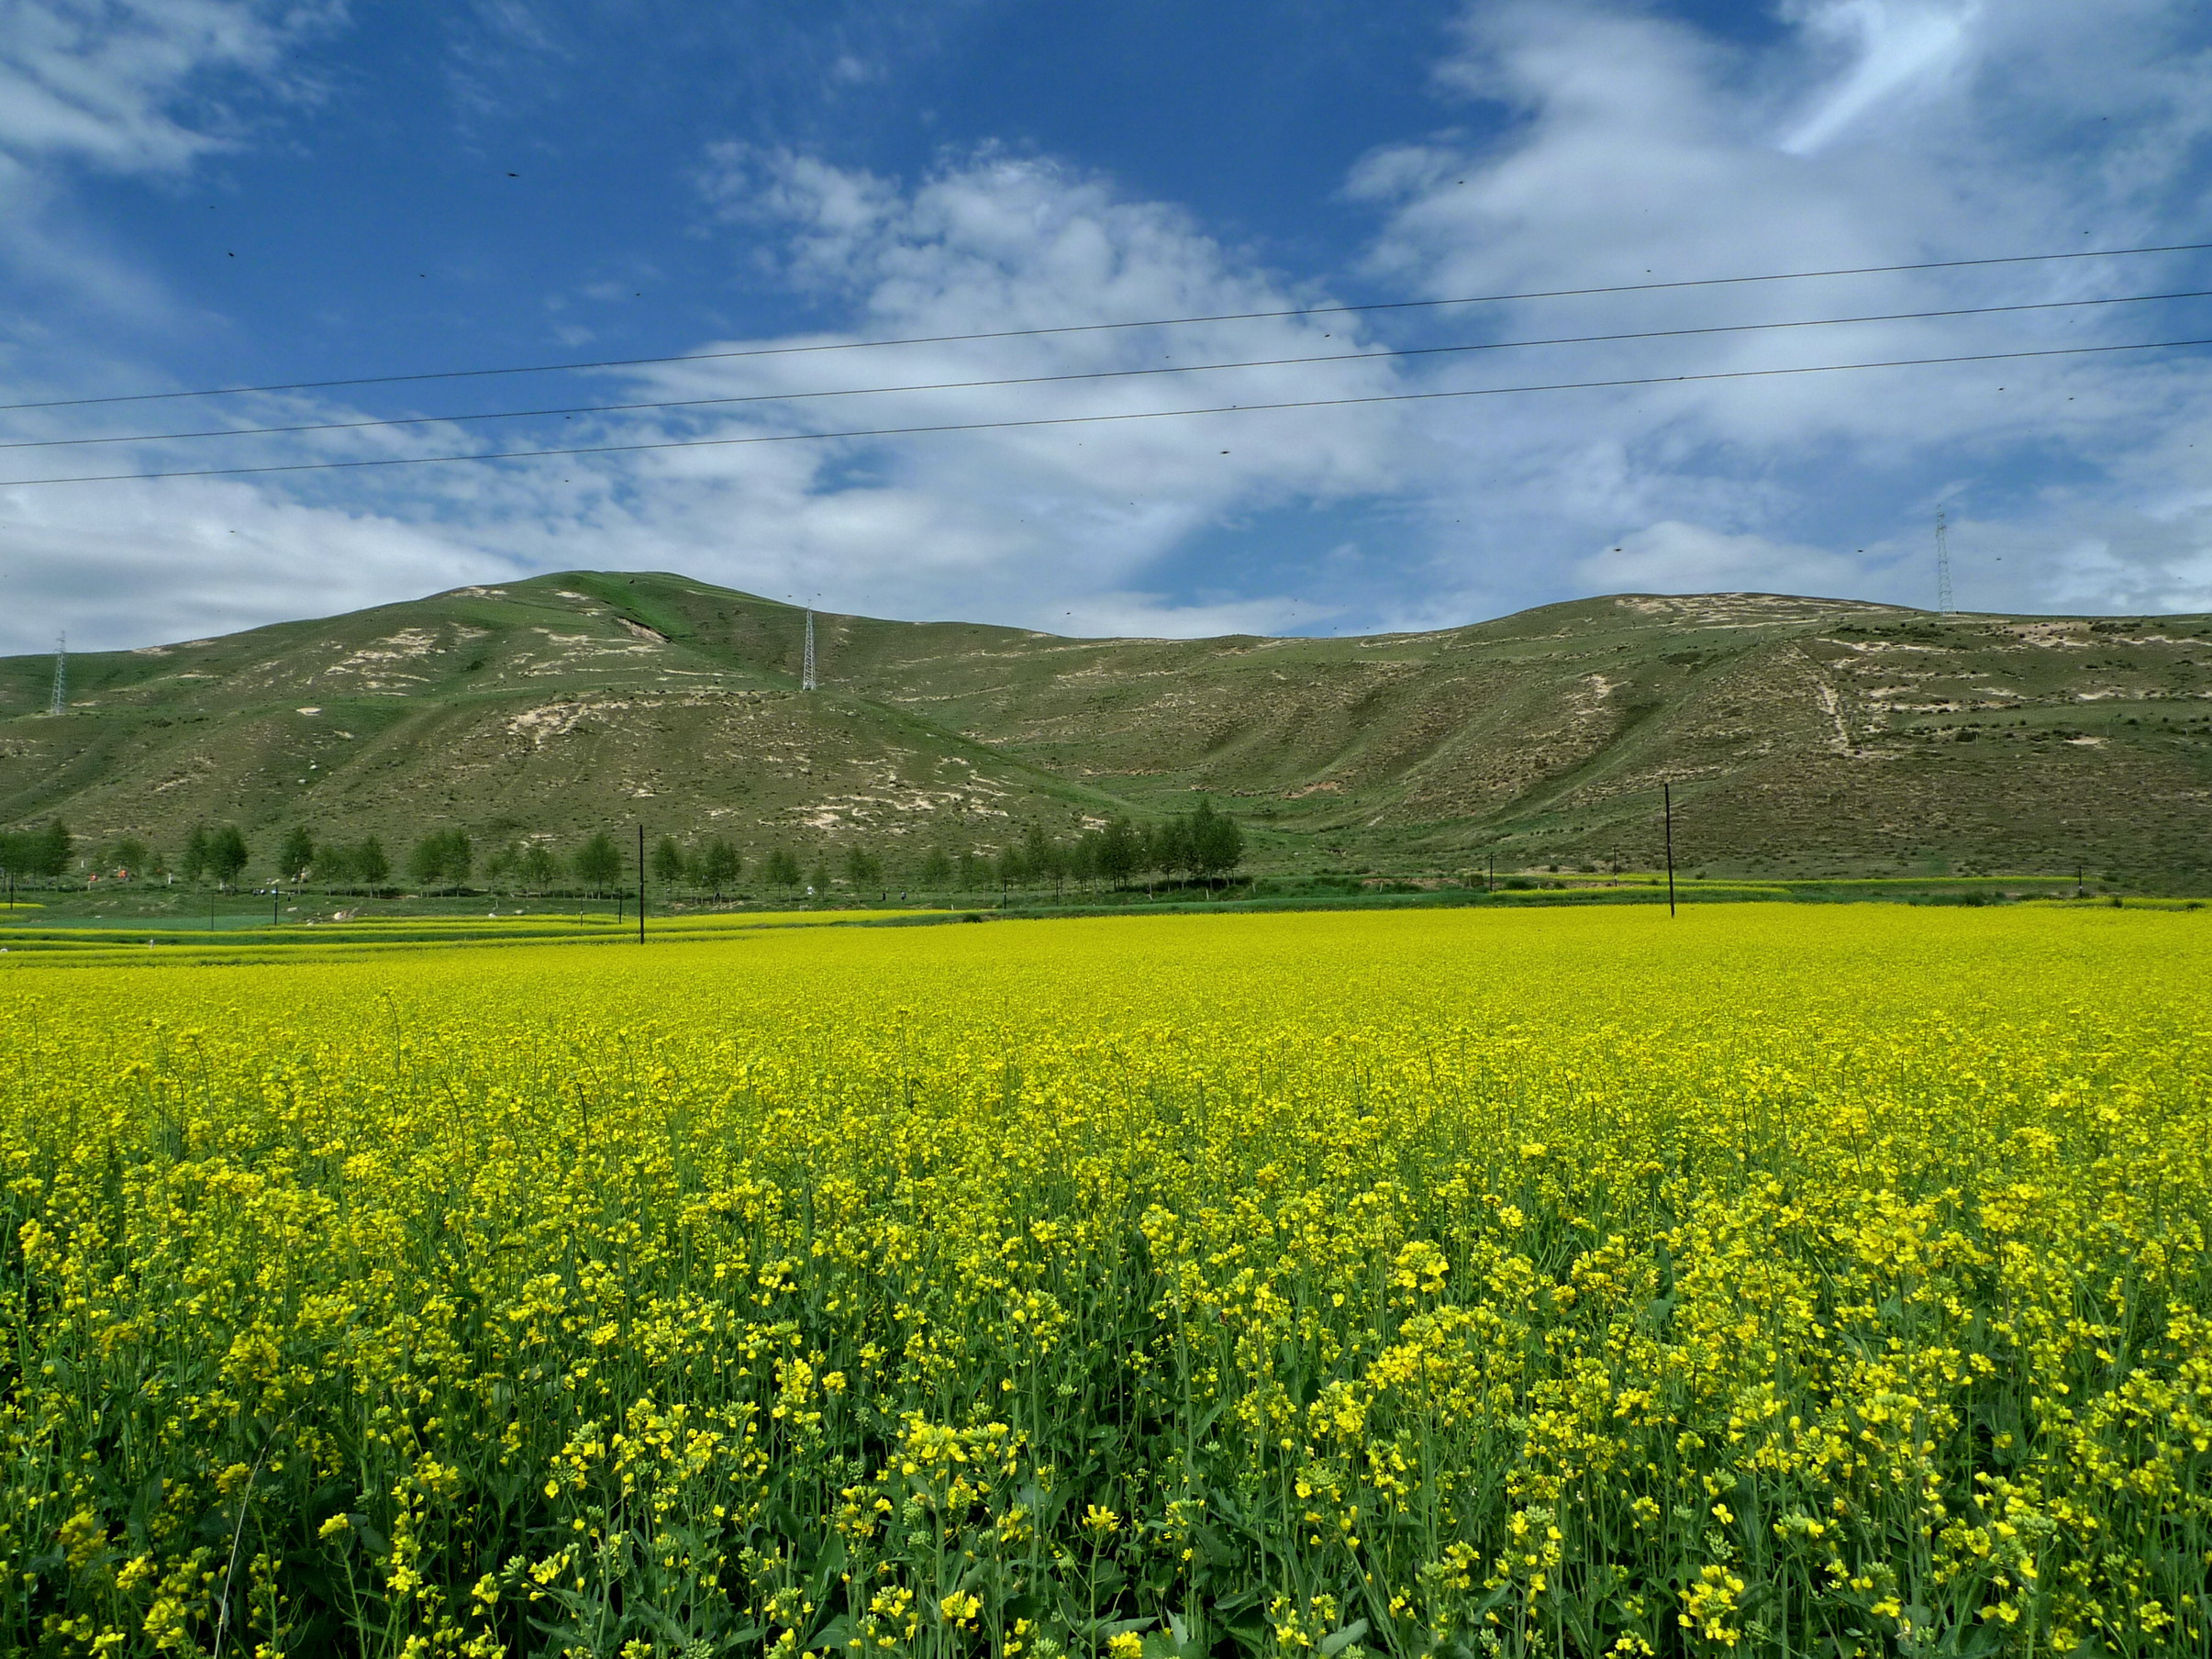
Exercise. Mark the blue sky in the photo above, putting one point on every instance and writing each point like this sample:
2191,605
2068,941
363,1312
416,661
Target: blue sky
196,193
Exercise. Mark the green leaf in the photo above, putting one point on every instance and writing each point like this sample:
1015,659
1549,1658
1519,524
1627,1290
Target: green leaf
828,1566
1336,1641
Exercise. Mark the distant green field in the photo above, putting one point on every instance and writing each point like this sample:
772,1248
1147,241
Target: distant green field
239,939
235,935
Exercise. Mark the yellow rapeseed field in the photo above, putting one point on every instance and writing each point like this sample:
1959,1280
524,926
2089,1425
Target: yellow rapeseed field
1805,1280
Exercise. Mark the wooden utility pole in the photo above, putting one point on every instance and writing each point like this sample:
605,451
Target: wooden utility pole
1669,788
641,884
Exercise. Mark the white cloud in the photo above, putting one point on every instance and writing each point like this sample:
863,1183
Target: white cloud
1670,557
1604,144
102,79
1016,520
1049,526
1877,132
147,563
1897,44
123,86
1155,617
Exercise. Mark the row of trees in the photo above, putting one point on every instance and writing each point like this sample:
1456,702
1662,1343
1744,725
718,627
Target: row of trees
1202,843
39,854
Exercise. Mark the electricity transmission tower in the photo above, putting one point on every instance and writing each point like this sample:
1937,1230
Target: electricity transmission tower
61,698
1942,565
807,681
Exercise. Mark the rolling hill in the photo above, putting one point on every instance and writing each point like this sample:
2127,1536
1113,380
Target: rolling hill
1798,735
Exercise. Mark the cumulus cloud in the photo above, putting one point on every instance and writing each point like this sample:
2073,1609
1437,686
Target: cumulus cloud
1599,143
123,86
1025,521
1627,147
1050,525
119,83
1671,557
996,243
1156,615
152,562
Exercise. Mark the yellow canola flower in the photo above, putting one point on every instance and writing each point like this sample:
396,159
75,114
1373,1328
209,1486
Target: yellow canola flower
1806,1279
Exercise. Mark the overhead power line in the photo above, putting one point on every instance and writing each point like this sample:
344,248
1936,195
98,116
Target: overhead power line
1035,380
1074,421
1153,322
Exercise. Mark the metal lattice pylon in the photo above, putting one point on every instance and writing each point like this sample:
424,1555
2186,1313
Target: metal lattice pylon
60,698
807,681
1942,564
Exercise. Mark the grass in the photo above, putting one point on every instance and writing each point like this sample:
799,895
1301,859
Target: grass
1800,735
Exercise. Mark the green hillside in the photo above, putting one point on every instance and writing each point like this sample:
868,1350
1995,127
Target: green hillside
1800,735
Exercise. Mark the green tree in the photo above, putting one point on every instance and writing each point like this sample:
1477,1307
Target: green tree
782,868
1168,848
334,865
1042,858
1120,851
297,854
863,869
50,850
194,862
935,870
974,873
669,865
719,866
427,864
1216,840
129,856
228,855
442,856
818,878
600,862
372,867
1081,860
538,867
